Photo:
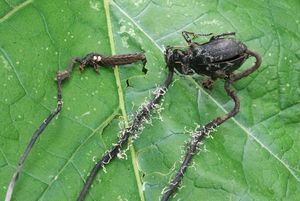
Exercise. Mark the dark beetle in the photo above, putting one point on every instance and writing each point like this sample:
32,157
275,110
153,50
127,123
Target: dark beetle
217,58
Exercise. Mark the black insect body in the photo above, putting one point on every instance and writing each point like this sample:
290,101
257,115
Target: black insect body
219,54
217,58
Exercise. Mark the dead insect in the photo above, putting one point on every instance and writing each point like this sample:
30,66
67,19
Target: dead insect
217,58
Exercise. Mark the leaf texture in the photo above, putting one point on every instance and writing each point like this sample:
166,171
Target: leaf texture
254,156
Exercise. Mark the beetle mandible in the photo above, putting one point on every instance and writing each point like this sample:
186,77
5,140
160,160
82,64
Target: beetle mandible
217,58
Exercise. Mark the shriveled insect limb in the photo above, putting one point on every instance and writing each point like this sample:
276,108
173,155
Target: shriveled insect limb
236,77
139,118
197,138
96,60
206,130
59,78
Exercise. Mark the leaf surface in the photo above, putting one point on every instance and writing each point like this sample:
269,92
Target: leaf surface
251,157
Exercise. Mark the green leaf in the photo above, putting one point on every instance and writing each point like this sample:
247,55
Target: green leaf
254,156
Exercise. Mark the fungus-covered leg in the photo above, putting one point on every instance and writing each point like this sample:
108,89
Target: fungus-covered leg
141,115
208,83
197,137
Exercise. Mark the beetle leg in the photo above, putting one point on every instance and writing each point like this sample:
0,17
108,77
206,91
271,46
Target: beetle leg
220,74
81,67
186,36
96,68
238,76
208,84
222,35
73,62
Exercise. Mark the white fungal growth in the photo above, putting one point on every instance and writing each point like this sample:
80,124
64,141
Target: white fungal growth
204,149
193,165
122,155
149,121
164,190
104,169
94,159
95,5
187,130
122,124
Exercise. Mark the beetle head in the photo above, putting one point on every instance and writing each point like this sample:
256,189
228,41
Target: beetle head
175,58
178,59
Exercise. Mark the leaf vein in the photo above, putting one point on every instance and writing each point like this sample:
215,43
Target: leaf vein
14,10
